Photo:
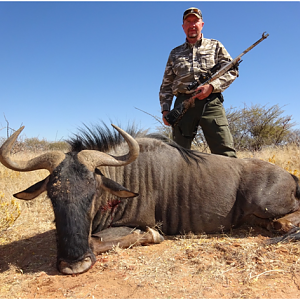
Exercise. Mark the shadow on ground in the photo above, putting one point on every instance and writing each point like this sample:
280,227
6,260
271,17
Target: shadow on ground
31,255
38,253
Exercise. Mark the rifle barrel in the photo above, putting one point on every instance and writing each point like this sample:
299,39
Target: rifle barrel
227,67
264,36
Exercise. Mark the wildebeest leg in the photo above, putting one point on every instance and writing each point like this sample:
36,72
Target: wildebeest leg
123,237
287,222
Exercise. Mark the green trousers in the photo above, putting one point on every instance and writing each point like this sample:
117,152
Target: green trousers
210,115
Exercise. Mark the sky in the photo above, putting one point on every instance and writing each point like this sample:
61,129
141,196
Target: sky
65,64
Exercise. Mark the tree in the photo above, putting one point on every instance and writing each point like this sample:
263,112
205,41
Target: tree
257,126
294,137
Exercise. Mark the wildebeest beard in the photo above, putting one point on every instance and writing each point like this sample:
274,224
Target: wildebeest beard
71,189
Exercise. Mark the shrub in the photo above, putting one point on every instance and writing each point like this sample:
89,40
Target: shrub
252,128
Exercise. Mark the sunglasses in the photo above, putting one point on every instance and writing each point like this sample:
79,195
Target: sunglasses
194,11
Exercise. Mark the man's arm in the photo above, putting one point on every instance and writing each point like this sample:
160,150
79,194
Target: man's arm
166,92
222,57
222,83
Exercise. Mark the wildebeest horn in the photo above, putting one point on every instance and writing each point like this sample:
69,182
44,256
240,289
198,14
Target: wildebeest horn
48,161
93,158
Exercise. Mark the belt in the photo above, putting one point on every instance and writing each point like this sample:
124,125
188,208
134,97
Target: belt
212,96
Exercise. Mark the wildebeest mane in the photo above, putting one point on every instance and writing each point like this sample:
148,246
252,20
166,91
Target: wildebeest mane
187,154
102,138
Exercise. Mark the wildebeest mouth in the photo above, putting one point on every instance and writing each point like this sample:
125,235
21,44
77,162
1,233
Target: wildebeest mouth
77,267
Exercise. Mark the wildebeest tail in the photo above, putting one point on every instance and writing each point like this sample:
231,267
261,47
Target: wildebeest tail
292,235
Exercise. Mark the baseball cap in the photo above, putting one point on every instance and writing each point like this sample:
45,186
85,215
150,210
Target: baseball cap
192,11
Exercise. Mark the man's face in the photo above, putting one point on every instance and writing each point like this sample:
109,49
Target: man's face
192,26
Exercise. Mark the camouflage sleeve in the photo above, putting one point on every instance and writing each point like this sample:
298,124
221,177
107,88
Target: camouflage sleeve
224,81
166,91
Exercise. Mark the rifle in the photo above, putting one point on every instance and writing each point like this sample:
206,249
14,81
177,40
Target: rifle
175,115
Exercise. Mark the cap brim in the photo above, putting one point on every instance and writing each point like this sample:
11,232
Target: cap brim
195,14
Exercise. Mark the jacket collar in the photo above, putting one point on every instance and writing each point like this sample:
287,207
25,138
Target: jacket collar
197,44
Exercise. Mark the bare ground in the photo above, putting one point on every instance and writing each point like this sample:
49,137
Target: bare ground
233,265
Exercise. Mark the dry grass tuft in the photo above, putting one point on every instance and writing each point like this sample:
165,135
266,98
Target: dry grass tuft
286,157
9,212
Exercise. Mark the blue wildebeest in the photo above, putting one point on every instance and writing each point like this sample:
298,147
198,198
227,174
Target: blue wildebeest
103,197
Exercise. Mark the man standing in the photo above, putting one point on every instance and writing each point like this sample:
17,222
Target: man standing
185,65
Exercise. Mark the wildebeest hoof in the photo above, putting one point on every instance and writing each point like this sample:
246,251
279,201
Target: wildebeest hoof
76,267
157,238
282,225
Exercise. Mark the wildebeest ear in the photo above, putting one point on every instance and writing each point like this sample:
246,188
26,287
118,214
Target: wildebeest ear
116,189
33,191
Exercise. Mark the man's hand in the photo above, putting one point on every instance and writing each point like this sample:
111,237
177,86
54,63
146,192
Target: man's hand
165,112
203,91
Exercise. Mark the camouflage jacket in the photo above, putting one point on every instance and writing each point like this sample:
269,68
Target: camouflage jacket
186,62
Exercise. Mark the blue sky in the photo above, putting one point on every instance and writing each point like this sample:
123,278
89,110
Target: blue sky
63,64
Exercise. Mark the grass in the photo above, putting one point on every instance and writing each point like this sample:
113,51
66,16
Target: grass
12,182
287,157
